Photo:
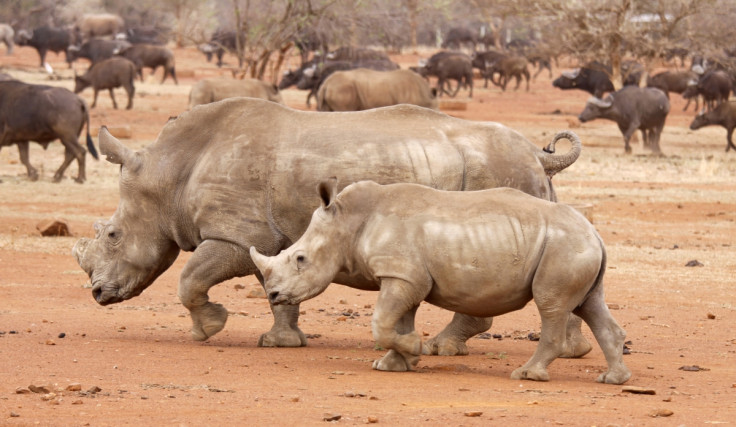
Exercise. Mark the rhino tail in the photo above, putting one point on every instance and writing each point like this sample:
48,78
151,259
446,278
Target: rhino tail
554,163
90,143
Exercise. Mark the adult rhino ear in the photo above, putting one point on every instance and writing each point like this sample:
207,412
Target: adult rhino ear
116,152
327,191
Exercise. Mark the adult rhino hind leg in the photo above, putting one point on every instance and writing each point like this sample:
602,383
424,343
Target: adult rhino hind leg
213,262
452,340
285,332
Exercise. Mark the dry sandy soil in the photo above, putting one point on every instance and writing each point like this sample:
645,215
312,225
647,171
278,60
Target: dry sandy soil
134,362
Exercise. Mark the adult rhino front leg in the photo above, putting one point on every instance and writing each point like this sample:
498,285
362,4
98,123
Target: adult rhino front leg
213,262
285,332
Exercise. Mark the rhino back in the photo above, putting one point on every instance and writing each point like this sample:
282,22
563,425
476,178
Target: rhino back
252,165
500,233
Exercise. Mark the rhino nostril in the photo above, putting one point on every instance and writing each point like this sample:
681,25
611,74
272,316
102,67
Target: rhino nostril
96,292
273,295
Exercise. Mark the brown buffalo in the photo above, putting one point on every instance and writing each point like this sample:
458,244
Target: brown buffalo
362,89
43,114
109,74
151,56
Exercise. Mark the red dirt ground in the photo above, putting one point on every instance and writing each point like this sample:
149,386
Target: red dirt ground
654,213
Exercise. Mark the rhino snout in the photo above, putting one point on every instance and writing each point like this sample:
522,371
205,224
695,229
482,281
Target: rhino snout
276,298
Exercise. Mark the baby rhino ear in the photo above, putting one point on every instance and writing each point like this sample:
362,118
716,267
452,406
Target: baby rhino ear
116,152
327,191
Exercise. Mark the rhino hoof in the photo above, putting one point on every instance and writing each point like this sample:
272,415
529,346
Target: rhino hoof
530,374
574,350
612,377
394,362
282,339
208,321
446,347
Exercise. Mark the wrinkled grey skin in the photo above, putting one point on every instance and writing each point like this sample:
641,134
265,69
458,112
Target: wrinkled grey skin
481,253
632,108
212,90
241,172
362,89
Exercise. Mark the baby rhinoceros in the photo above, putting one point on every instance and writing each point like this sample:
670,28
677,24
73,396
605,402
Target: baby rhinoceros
481,253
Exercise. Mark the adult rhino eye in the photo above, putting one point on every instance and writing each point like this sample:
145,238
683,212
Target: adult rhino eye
113,234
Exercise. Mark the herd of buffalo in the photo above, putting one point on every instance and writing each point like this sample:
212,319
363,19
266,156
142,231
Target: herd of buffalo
344,79
237,212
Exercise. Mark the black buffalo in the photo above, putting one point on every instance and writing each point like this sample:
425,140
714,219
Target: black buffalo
96,50
723,115
632,108
151,56
43,114
45,39
592,78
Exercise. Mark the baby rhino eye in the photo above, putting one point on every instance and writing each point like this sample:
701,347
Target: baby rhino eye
300,258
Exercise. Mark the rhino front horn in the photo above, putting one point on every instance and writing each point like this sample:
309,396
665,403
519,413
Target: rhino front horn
116,152
262,262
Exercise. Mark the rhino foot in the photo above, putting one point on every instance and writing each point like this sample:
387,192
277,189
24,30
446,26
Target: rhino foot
533,374
394,361
615,376
283,338
208,320
575,343
444,346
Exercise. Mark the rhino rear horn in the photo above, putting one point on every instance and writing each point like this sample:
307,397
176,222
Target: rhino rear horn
116,152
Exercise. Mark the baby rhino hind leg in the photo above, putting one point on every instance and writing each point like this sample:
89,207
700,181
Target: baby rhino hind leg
608,333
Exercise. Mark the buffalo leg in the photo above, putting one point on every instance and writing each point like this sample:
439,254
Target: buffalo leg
608,333
457,89
729,139
628,133
131,92
112,96
24,158
397,299
94,100
72,150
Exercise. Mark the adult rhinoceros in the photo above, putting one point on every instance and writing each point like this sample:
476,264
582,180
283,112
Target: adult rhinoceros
242,172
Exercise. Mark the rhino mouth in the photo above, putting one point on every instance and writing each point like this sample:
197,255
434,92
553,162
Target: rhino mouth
106,294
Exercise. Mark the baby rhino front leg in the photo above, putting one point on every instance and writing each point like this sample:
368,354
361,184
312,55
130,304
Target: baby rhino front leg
393,326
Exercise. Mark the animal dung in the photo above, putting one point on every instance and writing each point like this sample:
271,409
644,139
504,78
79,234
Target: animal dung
53,228
123,132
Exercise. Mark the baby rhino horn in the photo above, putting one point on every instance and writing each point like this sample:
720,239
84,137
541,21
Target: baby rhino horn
262,262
